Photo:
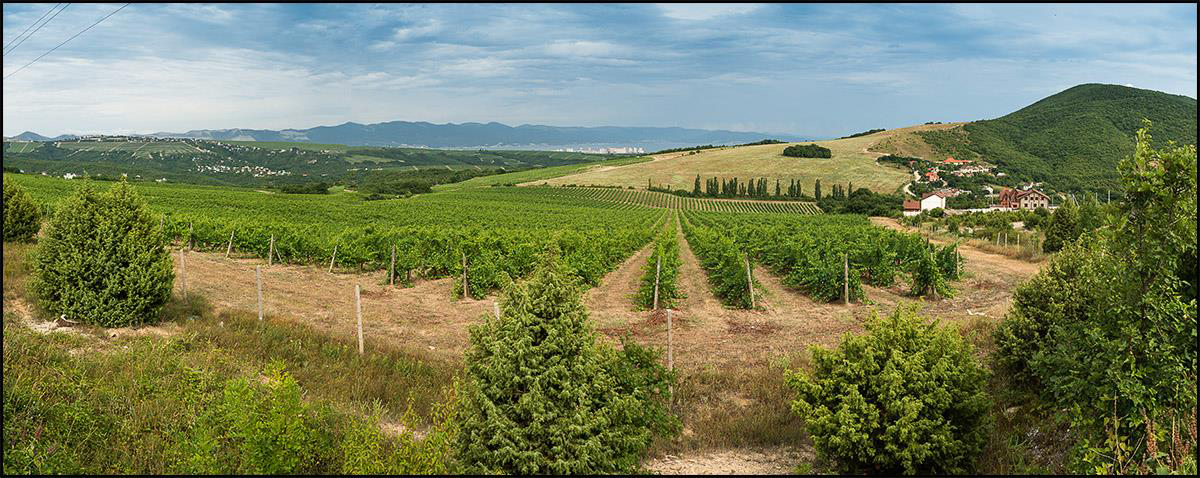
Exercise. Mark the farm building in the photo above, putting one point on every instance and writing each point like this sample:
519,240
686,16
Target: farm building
1028,199
951,160
928,202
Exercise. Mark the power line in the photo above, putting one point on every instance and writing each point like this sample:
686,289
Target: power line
67,40
39,20
10,50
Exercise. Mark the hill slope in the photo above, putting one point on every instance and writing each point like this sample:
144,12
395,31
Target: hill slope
851,163
1073,139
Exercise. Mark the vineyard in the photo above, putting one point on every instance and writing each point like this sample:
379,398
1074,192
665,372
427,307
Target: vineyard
812,253
670,201
659,285
496,234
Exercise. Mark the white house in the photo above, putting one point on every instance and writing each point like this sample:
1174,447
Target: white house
928,202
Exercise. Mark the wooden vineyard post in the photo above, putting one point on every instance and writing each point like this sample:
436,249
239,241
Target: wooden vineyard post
466,287
258,280
190,246
846,278
670,355
358,314
392,269
229,248
331,259
657,272
271,251
496,308
749,281
183,273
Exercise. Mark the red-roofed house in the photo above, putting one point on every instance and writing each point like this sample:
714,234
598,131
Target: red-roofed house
951,160
931,176
1029,199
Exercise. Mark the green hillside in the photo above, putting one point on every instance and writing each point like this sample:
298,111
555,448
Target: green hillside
1073,139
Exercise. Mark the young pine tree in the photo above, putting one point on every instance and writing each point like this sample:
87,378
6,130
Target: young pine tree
545,398
103,259
21,215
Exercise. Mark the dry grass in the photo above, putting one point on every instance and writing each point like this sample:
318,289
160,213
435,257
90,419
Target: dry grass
850,163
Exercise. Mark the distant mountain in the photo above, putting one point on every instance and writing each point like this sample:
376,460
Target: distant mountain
480,135
1073,139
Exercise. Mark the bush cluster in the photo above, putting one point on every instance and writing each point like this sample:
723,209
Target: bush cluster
807,151
22,218
907,397
103,260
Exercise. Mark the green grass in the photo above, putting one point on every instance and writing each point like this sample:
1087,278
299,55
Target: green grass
191,401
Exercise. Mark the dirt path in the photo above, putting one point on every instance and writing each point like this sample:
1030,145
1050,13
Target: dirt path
768,461
615,293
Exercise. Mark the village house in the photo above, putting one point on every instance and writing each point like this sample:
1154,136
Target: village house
929,201
932,176
951,160
1023,199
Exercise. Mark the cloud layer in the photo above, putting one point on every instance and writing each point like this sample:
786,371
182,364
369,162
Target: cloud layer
819,70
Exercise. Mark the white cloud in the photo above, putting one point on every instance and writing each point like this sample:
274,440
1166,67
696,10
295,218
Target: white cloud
704,11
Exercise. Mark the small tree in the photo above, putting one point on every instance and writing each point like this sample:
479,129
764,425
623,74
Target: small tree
908,397
544,397
21,215
1063,228
103,259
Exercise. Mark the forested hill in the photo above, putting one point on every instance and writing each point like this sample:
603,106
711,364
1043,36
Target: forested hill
1073,139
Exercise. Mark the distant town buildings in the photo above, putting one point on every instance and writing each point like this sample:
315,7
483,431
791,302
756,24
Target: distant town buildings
628,150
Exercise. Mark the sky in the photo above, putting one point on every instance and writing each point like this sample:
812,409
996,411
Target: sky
811,70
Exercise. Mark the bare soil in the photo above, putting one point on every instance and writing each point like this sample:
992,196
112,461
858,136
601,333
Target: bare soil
423,317
705,333
766,461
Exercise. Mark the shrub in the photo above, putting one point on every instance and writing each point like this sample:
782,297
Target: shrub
908,397
807,151
103,259
1107,330
544,397
1063,228
22,217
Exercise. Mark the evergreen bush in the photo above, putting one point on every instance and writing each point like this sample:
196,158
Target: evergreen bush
907,397
22,217
103,260
544,397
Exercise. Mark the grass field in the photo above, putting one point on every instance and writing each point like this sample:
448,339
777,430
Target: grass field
540,174
852,161
138,148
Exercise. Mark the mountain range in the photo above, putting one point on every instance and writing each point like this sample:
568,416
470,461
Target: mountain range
474,135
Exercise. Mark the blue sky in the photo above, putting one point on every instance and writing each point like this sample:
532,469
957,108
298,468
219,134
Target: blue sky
806,69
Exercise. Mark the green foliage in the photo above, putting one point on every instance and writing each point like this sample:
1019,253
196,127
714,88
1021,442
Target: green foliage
928,274
153,405
22,217
864,133
1064,227
1073,139
319,187
545,397
807,151
1107,331
666,247
723,261
103,260
907,397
